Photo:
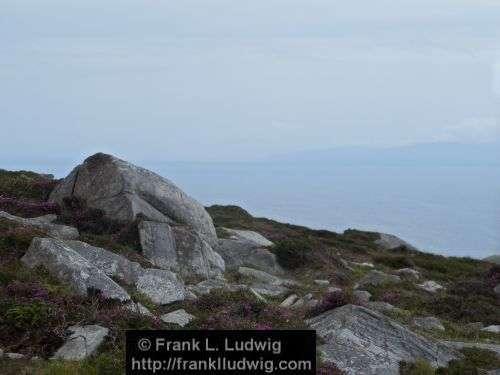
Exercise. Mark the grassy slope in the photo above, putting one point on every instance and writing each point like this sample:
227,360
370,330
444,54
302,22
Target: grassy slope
35,308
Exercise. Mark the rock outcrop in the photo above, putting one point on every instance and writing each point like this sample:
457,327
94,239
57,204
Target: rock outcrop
69,266
237,252
110,263
360,341
161,286
179,249
124,191
82,343
44,224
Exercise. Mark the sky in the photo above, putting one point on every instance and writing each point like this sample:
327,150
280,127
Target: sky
226,80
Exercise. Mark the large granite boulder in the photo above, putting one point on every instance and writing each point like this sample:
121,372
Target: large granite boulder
44,224
360,341
124,191
111,264
69,266
82,343
237,252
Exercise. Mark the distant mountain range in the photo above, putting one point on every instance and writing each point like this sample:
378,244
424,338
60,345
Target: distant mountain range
446,154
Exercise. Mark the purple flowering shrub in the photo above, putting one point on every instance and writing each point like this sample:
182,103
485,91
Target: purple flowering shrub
331,301
328,369
27,208
239,310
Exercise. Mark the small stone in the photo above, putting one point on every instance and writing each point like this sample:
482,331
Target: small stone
179,317
35,358
257,295
408,273
289,301
298,304
322,282
491,329
14,355
430,286
333,289
362,296
363,264
269,289
138,308
428,323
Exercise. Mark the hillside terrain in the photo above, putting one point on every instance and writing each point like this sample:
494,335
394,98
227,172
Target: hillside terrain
159,260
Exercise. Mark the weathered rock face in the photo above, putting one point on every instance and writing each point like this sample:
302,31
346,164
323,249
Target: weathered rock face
363,342
248,235
67,265
111,264
44,224
124,190
362,296
238,253
82,343
179,249
378,278
161,286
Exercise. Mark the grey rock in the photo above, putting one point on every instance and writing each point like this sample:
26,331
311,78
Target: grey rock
333,289
322,282
206,286
158,244
381,306
265,277
408,274
362,296
289,301
312,303
123,191
390,242
481,345
308,296
257,295
179,249
82,343
491,329
271,290
298,304
179,317
161,286
375,278
195,256
248,235
362,264
68,266
237,253
431,286
110,263
362,341
138,308
44,224
428,323
14,356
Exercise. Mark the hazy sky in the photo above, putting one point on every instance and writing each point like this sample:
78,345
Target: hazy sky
238,80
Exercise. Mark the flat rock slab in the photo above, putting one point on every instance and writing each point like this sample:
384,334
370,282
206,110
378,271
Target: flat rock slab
44,224
161,286
179,317
269,289
431,286
82,343
124,191
265,277
491,329
360,341
248,235
375,278
242,252
110,263
68,266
